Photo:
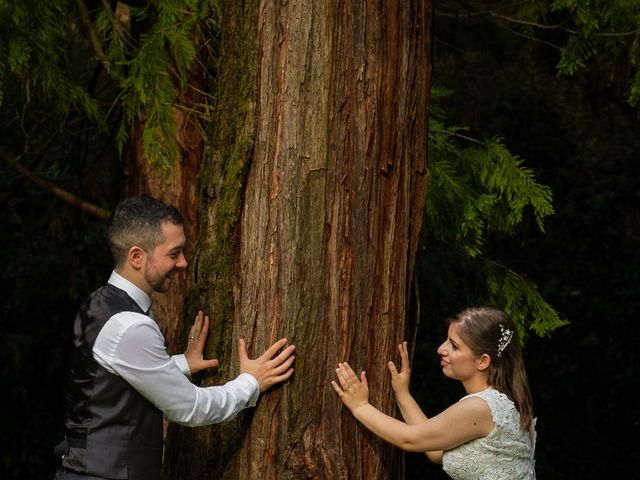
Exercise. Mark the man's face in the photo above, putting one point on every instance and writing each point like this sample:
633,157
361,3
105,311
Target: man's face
166,259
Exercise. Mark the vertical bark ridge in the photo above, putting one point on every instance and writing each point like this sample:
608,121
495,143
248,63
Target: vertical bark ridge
331,214
333,156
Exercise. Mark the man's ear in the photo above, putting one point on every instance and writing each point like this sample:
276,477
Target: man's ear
484,361
136,257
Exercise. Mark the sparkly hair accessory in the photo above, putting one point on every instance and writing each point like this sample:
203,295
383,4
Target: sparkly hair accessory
505,338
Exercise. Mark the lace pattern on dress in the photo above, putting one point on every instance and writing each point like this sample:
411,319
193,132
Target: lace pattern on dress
507,453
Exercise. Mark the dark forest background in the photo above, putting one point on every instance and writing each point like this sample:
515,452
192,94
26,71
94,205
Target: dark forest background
582,138
580,135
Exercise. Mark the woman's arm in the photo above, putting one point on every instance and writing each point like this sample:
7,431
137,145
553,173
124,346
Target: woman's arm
413,415
409,408
462,422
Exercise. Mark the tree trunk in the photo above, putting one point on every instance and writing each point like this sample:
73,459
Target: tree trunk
311,207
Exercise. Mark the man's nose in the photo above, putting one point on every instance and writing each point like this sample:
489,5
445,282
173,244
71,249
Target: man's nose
182,261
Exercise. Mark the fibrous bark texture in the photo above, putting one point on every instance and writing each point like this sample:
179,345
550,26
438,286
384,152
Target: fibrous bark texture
322,138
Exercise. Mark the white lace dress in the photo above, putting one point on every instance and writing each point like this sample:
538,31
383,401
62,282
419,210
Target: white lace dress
507,453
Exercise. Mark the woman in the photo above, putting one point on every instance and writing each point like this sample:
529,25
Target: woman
489,433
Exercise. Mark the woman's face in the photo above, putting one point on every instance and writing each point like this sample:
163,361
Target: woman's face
456,358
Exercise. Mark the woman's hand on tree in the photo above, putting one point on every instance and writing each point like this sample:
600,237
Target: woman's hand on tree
400,380
353,391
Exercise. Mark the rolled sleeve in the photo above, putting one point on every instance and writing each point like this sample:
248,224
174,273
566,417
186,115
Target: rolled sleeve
181,362
250,384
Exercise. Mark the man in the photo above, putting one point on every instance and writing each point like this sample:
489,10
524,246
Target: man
123,380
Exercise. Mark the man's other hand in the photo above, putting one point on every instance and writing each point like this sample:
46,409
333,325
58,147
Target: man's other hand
194,353
271,367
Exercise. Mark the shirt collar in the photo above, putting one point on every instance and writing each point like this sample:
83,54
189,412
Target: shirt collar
141,298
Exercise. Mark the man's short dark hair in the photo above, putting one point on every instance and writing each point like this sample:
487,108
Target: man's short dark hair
138,221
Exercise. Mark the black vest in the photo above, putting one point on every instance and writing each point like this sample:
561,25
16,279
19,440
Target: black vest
112,430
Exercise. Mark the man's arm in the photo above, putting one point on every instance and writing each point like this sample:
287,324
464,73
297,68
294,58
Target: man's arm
132,346
273,366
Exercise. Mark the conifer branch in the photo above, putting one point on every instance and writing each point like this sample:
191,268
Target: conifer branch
458,135
542,26
478,187
93,37
533,38
557,26
61,193
560,27
201,114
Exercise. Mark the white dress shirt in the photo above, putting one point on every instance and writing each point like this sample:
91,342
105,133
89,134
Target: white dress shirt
131,345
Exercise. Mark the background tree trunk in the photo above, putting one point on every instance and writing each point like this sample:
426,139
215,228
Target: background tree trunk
311,206
177,186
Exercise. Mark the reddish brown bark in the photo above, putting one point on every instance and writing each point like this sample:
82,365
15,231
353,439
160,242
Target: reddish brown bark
332,213
336,126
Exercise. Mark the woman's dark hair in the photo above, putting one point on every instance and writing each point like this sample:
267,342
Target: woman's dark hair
486,330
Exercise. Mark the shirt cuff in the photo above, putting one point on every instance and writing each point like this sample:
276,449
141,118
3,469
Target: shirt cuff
181,361
252,385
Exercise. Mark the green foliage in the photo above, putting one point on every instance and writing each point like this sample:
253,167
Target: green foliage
605,27
147,68
520,297
34,45
156,70
603,31
477,189
588,36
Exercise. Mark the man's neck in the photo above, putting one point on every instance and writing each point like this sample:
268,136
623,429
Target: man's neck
136,293
135,277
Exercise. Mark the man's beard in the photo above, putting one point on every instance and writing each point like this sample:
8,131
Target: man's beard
160,283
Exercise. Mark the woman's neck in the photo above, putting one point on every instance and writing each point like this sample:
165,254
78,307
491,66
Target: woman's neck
476,384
